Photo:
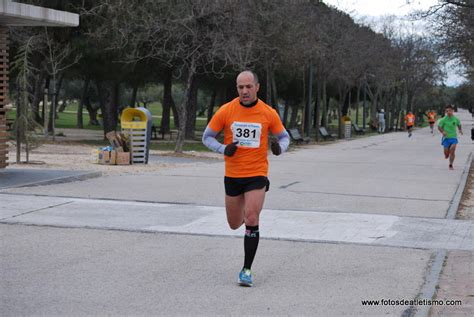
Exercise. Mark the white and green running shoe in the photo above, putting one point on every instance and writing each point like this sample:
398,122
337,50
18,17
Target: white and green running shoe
245,278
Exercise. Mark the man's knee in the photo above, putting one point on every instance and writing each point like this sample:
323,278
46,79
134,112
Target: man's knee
234,225
251,219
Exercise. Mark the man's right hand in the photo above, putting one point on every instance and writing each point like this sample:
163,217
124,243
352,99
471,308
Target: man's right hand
230,149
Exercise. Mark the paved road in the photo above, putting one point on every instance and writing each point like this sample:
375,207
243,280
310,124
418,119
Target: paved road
351,221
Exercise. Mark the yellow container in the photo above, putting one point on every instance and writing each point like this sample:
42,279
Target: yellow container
133,118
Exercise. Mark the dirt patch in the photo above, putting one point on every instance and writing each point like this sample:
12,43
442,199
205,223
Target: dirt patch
455,286
83,157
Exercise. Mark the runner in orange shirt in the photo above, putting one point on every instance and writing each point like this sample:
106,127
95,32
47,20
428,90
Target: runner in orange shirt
431,115
246,121
410,122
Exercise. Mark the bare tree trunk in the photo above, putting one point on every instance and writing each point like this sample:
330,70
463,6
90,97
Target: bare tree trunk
212,104
373,108
339,111
347,103
294,116
92,111
54,103
274,94
108,98
18,128
400,111
174,109
167,101
191,111
63,106
285,113
58,87
45,98
182,109
410,101
394,113
133,99
317,110
324,115
38,96
268,85
357,104
85,89
364,107
309,102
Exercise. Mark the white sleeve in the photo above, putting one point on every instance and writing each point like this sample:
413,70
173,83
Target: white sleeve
209,140
283,140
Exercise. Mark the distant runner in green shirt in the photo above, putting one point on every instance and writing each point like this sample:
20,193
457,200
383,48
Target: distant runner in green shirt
447,126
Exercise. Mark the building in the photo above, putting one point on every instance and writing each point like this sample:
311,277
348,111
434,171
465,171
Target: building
20,14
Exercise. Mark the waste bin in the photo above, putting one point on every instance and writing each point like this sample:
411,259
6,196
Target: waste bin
347,129
136,125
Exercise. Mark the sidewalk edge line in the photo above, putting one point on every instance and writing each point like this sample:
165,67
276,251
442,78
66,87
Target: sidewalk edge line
454,204
428,290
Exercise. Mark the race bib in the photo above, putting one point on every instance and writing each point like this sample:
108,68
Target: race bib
246,133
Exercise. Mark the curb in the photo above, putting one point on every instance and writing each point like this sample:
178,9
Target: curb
454,204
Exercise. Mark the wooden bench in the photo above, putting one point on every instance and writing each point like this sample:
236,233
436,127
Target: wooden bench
297,137
10,123
157,130
357,129
325,134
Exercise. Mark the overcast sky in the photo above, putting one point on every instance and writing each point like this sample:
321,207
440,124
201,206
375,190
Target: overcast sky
370,10
381,7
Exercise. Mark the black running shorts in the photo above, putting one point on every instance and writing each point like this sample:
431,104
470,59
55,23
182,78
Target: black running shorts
238,186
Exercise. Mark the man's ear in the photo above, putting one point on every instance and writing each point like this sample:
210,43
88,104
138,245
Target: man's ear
257,86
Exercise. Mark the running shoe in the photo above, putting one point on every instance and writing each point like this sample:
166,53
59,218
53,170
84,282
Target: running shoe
451,166
245,278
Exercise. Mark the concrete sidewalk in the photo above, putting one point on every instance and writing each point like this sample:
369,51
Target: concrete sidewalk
343,223
381,230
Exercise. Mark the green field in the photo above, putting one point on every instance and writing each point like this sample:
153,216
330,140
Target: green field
68,118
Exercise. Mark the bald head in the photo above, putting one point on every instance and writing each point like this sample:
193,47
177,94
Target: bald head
247,73
247,87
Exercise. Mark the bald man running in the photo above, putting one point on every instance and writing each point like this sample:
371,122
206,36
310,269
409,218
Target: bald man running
246,121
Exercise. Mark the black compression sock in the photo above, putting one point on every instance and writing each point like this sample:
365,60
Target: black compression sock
252,236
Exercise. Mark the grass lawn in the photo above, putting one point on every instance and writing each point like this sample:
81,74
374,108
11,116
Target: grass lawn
68,118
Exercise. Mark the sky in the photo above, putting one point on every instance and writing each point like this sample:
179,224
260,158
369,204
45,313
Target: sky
371,10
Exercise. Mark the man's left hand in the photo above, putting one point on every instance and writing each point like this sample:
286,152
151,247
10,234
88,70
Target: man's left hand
276,149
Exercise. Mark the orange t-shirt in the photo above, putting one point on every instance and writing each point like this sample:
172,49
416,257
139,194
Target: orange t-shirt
250,127
431,117
410,119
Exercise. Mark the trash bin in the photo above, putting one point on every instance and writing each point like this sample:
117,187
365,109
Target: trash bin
136,125
347,129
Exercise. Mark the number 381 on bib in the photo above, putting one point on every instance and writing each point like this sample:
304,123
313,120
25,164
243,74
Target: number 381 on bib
246,133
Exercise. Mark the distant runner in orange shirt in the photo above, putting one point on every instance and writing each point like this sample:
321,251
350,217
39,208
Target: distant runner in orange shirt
431,115
410,122
246,121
